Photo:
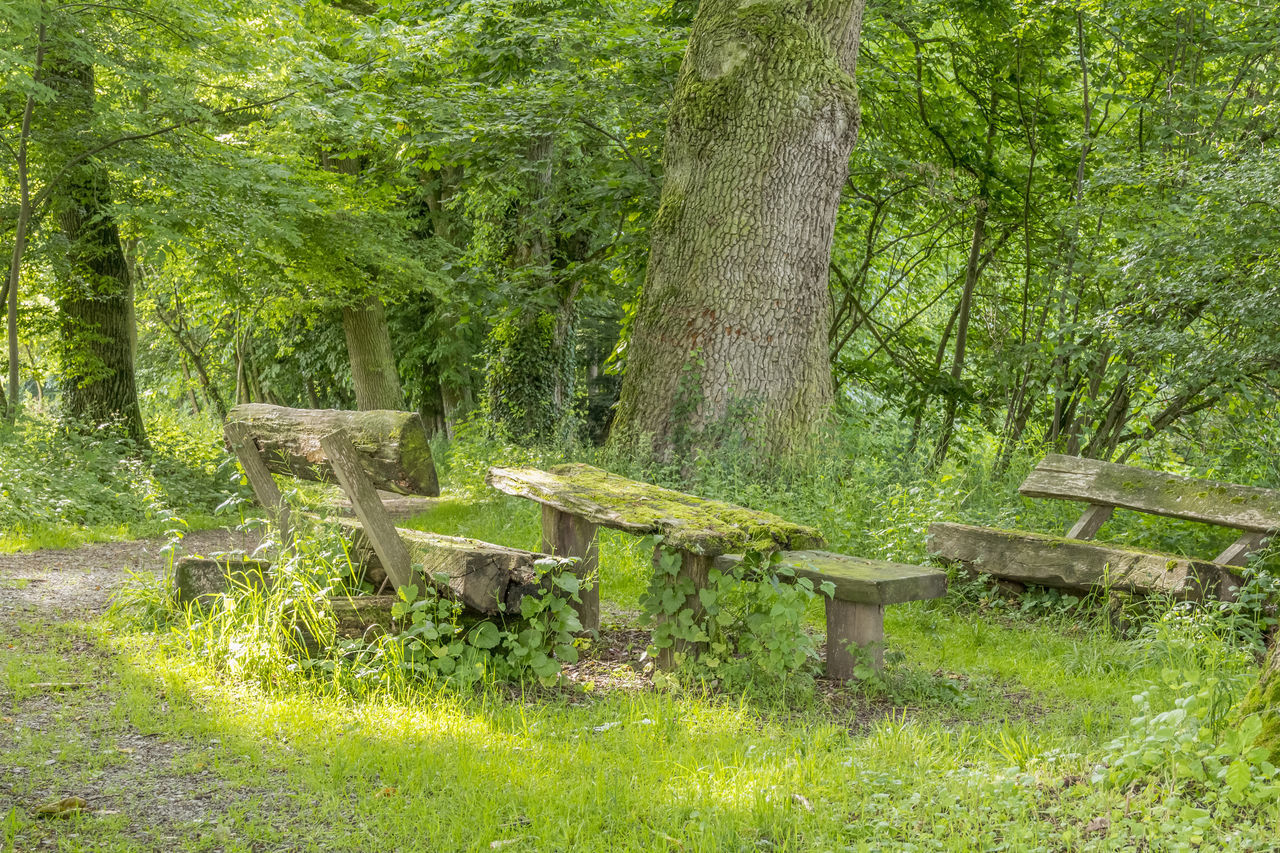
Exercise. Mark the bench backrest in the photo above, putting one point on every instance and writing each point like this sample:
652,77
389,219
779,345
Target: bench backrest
392,446
1107,484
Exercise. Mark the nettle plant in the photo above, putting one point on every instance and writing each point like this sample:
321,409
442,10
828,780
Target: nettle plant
436,640
750,619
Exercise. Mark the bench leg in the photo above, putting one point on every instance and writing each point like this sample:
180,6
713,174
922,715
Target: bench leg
567,535
695,568
850,622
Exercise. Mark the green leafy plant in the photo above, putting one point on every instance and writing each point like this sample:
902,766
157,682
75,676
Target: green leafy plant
750,619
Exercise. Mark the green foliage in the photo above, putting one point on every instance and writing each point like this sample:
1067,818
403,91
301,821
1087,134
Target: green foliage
52,480
749,622
1179,739
435,642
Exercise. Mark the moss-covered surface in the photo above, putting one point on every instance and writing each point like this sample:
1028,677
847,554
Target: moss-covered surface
688,523
859,580
1264,700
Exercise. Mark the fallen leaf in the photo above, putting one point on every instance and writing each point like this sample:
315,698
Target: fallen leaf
65,807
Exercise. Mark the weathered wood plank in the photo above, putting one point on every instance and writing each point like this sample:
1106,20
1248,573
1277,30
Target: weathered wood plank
201,578
850,622
376,522
1237,553
484,577
857,579
255,469
1074,478
567,535
393,445
1072,564
1090,522
700,526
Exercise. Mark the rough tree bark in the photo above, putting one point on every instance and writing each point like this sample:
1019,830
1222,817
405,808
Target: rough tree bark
373,361
95,298
735,310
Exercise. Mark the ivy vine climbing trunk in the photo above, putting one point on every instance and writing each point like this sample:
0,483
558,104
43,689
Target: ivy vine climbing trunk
734,317
529,375
97,330
373,361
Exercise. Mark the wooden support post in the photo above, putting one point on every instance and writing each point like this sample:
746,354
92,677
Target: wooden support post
1093,519
565,535
264,488
696,568
1237,553
374,518
852,622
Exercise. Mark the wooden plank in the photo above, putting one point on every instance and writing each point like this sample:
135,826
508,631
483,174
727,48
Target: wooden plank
1077,479
255,469
688,523
1237,553
567,535
850,622
857,579
376,522
487,578
1091,521
393,446
1072,564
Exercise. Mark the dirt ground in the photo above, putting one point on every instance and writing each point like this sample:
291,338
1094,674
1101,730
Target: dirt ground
69,738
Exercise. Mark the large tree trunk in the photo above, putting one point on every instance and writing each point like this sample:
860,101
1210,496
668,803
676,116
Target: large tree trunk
373,361
1264,700
735,312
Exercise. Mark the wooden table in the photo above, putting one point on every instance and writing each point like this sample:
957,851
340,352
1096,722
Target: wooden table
578,499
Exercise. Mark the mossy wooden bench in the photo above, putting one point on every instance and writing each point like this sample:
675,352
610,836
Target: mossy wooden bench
578,499
855,610
363,452
1073,562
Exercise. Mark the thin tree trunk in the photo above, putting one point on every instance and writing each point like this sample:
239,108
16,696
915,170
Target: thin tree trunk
373,362
14,400
733,324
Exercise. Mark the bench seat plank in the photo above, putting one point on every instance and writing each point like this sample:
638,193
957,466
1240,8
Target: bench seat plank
699,526
860,580
1075,478
1055,561
484,577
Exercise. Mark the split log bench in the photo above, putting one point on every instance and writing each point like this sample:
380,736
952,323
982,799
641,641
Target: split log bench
1073,562
363,452
577,499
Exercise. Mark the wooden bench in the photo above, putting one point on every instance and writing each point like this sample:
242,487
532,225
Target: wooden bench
578,499
855,611
363,452
1074,562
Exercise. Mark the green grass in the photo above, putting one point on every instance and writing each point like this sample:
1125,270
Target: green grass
985,732
981,735
41,537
